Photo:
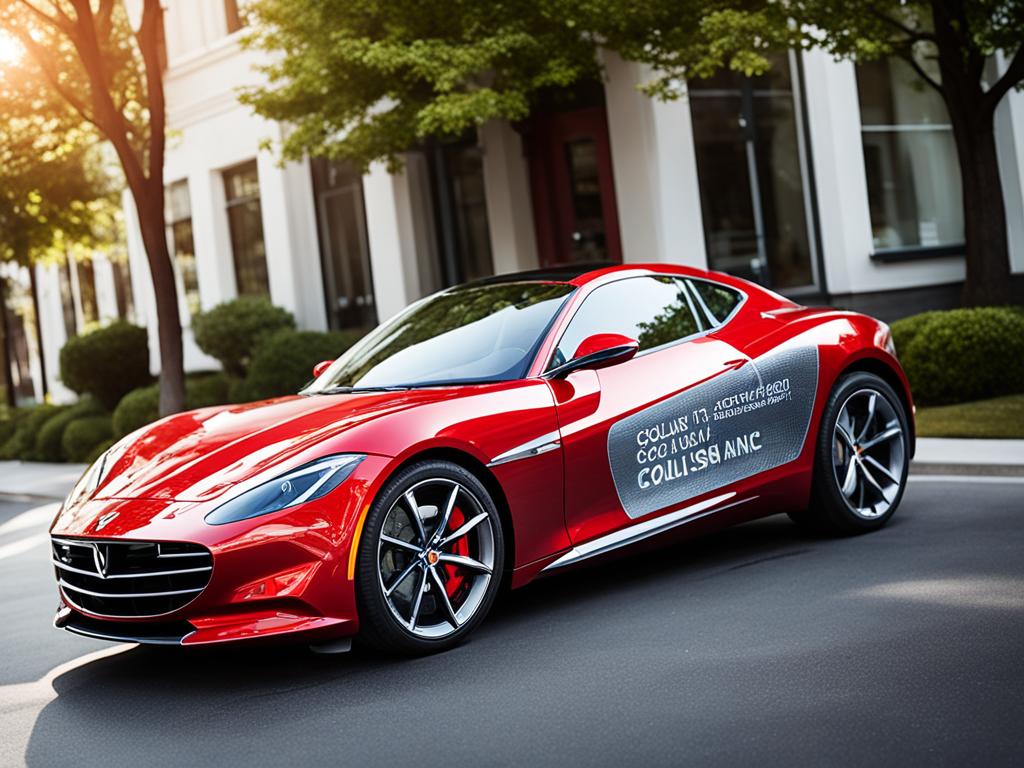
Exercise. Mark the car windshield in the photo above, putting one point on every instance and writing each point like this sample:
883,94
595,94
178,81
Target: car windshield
467,335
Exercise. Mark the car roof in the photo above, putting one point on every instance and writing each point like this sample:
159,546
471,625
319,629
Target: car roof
581,274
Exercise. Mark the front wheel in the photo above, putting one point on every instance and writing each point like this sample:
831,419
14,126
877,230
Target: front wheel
430,559
861,460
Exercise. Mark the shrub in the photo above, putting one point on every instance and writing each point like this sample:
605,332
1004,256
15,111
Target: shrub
28,422
284,362
99,450
231,331
962,354
82,436
48,439
142,406
107,363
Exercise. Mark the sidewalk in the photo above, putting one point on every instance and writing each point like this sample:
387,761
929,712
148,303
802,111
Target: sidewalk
934,456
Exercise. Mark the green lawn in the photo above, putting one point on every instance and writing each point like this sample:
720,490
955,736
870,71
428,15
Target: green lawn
998,417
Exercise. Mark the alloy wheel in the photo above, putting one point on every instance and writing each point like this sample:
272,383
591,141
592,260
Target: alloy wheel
435,557
868,453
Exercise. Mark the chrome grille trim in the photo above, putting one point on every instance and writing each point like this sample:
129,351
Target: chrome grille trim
126,579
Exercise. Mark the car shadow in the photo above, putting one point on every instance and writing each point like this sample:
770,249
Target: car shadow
167,702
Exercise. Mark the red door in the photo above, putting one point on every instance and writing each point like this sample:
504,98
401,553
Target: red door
573,188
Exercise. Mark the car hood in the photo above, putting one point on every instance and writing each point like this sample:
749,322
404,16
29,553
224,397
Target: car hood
198,455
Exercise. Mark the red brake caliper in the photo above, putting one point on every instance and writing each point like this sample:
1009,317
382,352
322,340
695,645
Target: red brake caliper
460,547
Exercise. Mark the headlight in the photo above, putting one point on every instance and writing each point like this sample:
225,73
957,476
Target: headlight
308,482
94,475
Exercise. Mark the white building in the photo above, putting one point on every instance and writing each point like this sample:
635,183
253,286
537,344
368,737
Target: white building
827,182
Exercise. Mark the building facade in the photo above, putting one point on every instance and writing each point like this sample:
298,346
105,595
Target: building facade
828,182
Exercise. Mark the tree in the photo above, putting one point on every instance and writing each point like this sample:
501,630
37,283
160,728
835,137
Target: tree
366,80
110,75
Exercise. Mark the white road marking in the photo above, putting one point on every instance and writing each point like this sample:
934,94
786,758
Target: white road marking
32,518
966,479
23,545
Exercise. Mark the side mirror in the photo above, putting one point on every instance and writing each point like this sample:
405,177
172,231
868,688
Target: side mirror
598,351
321,367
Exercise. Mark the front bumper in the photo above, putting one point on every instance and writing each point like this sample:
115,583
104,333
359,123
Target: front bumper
283,574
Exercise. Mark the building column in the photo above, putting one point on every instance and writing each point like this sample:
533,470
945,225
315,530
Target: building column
1010,143
392,235
655,167
289,233
507,191
51,328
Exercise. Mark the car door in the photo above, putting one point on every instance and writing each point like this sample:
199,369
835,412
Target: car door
631,448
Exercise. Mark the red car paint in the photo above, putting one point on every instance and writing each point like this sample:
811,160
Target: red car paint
292,571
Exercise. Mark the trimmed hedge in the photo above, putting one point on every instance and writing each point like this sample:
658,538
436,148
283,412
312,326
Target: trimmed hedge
284,362
142,406
962,354
107,363
48,442
83,436
28,422
230,332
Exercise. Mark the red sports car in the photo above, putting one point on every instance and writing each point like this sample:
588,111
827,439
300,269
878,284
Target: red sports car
488,434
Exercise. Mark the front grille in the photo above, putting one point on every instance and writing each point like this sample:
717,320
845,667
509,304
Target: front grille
129,579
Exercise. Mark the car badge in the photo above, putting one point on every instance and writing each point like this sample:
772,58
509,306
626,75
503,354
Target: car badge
101,558
102,522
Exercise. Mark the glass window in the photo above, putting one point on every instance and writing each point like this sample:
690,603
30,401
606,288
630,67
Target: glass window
910,158
67,299
178,208
465,171
245,220
716,300
588,239
87,290
123,288
652,310
751,167
467,335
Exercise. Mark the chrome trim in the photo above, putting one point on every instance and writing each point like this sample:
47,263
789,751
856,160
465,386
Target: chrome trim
65,567
644,530
75,629
64,585
535,447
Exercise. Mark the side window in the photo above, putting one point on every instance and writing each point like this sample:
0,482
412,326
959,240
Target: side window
652,310
716,301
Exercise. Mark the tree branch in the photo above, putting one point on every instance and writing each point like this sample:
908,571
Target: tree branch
1013,75
43,60
62,24
913,35
150,38
912,61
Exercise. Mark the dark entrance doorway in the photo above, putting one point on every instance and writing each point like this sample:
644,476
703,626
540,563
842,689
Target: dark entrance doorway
572,186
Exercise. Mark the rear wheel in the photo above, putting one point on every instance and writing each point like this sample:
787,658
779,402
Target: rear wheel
430,559
861,460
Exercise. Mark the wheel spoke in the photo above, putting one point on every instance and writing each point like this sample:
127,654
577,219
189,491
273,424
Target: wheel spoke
415,615
414,509
850,481
845,435
882,469
443,525
872,402
399,543
463,529
464,562
452,618
870,478
402,577
893,429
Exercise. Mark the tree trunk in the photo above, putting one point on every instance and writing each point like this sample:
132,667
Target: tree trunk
8,378
149,203
988,253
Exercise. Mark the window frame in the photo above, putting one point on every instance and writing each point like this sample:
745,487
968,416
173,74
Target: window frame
549,366
231,203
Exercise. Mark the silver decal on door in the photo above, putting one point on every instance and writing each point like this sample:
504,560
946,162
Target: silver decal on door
736,425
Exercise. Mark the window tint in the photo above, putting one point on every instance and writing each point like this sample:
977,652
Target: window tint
652,310
717,300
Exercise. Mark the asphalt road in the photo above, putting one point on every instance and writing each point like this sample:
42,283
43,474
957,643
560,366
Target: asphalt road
756,645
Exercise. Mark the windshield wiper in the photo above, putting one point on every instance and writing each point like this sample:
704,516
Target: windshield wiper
357,390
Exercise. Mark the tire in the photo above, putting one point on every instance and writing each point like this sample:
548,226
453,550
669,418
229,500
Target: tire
450,578
861,458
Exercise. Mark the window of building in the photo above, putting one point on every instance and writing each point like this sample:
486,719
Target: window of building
344,246
87,290
245,222
123,288
67,299
753,173
914,188
653,310
178,209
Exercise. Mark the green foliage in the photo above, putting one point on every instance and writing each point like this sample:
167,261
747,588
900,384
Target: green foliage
142,406
963,354
82,436
284,362
48,442
28,422
106,363
230,331
99,450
